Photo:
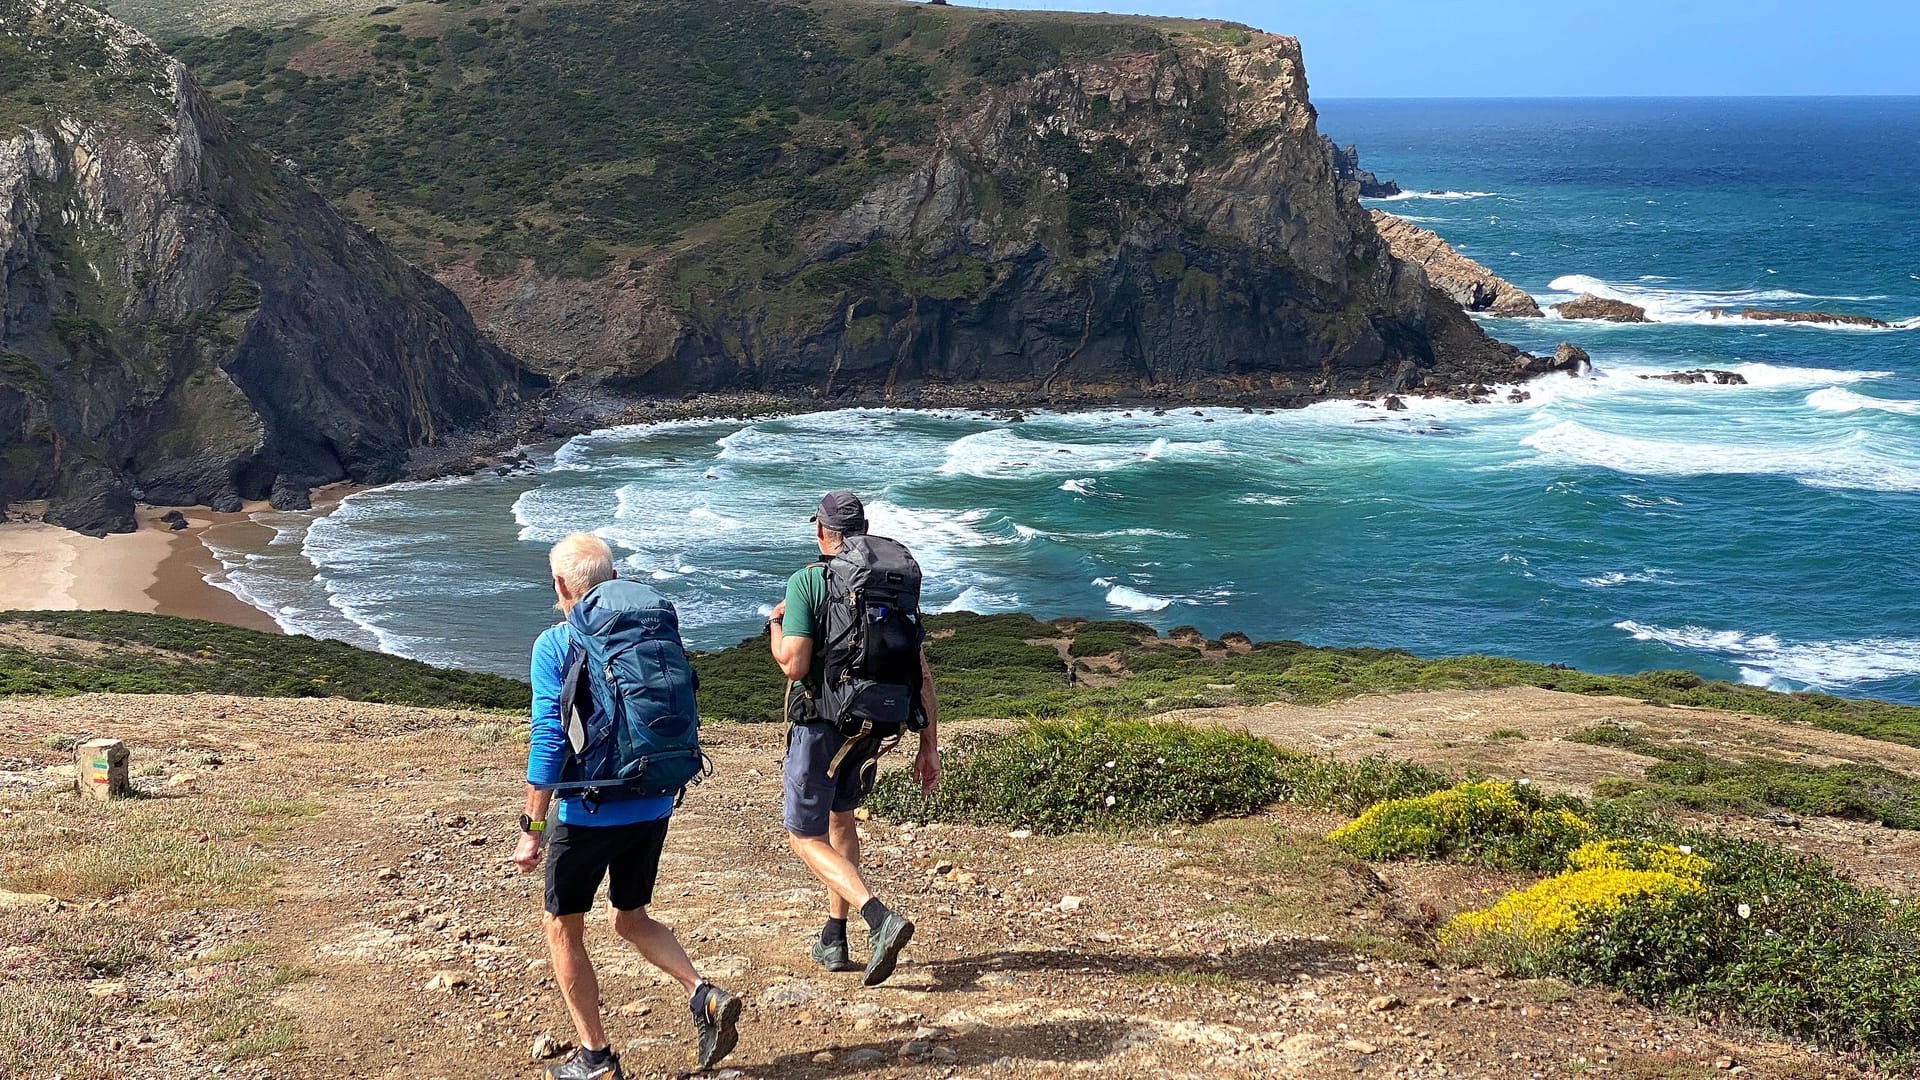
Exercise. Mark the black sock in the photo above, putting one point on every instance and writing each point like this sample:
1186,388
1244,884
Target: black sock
699,1001
597,1057
834,933
874,912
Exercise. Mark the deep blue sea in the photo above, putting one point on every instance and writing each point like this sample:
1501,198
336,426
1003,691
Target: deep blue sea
1764,532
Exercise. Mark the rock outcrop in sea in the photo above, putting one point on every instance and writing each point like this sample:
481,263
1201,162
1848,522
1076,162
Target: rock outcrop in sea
1589,306
1466,282
1346,166
1709,376
1818,318
182,320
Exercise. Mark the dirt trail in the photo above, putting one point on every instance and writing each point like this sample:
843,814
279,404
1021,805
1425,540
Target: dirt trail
1245,948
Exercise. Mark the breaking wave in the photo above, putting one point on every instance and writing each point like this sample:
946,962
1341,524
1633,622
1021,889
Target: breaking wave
1440,196
1834,399
1845,462
1132,599
1764,659
1664,304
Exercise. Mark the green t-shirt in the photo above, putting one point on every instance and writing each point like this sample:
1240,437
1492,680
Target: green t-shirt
806,604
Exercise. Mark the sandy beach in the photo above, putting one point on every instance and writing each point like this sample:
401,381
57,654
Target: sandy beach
155,568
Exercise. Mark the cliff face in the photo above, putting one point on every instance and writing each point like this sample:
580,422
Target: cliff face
854,200
182,321
1153,225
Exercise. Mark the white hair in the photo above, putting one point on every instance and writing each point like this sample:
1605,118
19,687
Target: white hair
582,560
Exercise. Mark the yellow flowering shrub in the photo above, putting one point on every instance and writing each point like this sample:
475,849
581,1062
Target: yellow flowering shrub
1638,855
1485,820
1564,903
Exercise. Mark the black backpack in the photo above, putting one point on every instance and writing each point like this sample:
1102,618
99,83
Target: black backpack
868,663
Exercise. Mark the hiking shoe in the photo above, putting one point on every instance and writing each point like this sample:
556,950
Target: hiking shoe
833,957
887,941
575,1067
716,1016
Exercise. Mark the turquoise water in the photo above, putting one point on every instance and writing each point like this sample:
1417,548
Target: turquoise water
1762,532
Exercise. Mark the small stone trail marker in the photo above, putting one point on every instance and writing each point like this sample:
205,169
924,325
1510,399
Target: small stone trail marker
100,770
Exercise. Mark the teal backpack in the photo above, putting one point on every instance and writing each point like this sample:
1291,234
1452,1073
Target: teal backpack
628,700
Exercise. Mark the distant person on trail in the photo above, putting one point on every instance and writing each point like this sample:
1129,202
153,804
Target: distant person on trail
615,734
848,637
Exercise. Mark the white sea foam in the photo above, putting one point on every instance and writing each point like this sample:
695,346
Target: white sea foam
1442,196
1617,577
1780,377
1834,399
999,454
1131,599
981,601
1078,487
1764,658
1666,304
1115,534
1845,462
1267,500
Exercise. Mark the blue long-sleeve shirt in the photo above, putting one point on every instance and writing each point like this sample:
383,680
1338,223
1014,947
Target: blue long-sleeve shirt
547,754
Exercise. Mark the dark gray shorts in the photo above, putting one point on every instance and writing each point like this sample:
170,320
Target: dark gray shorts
808,794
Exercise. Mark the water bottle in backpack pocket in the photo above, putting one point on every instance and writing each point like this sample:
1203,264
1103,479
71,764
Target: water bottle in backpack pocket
628,702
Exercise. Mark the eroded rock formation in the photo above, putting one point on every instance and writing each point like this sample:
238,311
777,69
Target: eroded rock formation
1466,282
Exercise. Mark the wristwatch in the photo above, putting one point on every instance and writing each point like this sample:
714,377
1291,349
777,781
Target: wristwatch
529,825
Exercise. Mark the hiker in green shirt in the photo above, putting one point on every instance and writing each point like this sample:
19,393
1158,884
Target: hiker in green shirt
827,773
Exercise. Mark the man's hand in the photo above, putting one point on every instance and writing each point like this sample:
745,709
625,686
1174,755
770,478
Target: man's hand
926,767
526,854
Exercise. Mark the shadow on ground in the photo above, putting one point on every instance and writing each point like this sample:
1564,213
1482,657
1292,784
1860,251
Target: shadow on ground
1280,960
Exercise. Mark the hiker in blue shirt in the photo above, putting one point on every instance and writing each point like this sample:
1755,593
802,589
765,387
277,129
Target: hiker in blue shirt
618,841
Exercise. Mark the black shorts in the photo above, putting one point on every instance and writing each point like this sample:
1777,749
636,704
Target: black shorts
579,857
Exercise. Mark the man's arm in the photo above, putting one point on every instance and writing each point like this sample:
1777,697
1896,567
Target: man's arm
546,746
926,762
793,646
793,652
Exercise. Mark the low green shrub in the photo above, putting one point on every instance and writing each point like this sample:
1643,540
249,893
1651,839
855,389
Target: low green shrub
184,656
1352,786
1099,643
1093,773
1689,777
1682,918
1486,821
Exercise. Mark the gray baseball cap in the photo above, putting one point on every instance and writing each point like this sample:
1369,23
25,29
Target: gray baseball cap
841,511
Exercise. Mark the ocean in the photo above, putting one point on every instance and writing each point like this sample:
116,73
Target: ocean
1763,532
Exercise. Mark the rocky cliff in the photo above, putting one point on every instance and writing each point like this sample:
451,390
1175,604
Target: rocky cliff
1466,282
181,319
868,201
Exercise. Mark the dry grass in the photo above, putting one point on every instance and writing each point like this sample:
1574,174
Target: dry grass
39,1023
169,851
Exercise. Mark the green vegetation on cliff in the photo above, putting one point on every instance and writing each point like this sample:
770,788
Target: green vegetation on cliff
574,134
72,652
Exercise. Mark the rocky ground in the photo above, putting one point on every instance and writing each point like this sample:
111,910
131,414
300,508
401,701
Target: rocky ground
320,889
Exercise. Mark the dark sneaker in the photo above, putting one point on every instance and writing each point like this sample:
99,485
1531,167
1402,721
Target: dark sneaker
716,1016
833,957
576,1068
892,936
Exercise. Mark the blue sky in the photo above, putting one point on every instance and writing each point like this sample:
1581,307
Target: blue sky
1553,48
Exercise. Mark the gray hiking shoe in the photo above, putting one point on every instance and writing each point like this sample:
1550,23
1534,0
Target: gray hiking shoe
716,1016
833,957
887,942
575,1067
